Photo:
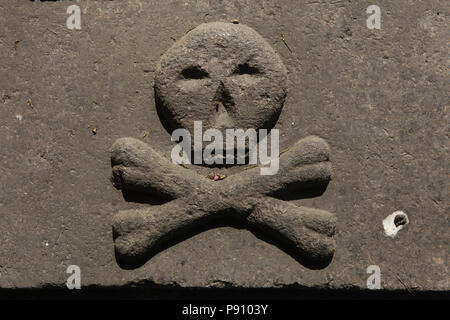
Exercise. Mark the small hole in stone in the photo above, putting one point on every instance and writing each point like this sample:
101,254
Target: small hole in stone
394,223
400,220
194,72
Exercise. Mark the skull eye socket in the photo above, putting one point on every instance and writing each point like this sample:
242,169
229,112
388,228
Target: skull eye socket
194,72
245,68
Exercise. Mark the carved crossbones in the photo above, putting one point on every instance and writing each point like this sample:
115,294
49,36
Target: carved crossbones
246,196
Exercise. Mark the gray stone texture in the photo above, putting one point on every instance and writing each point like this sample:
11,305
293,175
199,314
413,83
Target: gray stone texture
379,98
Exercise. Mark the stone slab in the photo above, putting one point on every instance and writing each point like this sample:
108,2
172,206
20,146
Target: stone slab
378,97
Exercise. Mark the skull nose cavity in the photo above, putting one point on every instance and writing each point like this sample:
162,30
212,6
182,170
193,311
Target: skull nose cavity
223,106
223,96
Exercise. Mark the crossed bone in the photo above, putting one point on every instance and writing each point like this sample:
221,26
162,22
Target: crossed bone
194,200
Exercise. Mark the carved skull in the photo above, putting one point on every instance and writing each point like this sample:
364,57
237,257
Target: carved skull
225,75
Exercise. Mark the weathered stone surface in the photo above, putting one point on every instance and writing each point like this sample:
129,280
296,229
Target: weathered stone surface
378,97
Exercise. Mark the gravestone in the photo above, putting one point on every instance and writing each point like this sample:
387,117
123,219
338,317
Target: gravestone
87,113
